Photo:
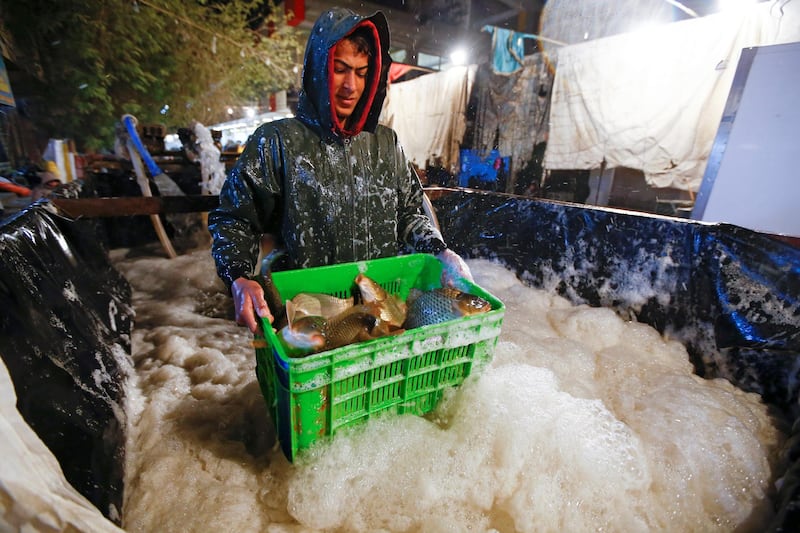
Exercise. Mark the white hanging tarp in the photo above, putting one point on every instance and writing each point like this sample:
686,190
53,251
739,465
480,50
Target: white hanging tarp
650,100
428,114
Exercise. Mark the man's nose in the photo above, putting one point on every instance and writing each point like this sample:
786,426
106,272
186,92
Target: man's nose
349,80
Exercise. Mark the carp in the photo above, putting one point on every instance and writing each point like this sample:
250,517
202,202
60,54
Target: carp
359,323
312,334
440,305
316,304
303,336
392,310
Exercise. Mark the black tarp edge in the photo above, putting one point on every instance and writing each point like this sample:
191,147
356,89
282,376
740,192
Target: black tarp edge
65,339
731,295
728,293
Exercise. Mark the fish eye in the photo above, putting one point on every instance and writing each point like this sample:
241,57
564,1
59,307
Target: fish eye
478,302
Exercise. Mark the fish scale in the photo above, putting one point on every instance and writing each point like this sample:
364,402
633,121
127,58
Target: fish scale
352,325
440,305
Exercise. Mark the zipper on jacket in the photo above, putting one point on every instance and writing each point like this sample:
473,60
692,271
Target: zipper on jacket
347,147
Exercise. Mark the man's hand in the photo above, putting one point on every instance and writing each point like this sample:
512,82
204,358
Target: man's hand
248,301
454,268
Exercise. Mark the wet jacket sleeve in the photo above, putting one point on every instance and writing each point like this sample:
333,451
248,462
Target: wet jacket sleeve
248,204
416,230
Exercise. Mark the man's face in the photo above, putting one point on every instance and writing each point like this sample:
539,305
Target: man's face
349,77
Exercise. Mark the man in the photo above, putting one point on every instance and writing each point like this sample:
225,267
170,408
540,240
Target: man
330,185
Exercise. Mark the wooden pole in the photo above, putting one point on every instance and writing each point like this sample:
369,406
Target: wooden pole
134,205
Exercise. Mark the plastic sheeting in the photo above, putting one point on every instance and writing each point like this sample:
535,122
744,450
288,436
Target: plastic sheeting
731,295
65,339
651,100
428,114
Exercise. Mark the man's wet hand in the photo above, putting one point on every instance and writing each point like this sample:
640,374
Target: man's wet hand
249,303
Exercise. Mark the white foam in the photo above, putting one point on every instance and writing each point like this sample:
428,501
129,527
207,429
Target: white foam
583,421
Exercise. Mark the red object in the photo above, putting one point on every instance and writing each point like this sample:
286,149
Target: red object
396,70
298,8
19,190
80,164
788,239
273,102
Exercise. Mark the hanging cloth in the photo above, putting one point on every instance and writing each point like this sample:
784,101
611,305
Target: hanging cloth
508,48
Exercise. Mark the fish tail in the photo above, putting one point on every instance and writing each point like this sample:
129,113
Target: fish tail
271,294
269,259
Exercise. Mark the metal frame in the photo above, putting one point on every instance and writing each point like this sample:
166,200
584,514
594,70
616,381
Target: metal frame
724,131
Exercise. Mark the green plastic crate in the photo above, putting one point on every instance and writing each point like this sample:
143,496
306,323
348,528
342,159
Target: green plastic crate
316,396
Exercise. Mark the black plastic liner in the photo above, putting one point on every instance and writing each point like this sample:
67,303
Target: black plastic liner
65,338
731,295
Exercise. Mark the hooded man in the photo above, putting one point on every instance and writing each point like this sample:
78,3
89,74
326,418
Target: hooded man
331,185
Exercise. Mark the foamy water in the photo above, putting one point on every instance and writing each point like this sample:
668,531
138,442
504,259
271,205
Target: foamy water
582,422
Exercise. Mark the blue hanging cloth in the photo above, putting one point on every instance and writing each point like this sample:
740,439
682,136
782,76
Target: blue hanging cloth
508,48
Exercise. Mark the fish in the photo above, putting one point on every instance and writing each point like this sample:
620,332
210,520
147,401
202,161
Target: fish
317,304
440,305
356,324
271,294
392,310
304,336
313,334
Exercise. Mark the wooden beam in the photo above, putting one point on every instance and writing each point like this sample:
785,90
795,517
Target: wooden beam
135,205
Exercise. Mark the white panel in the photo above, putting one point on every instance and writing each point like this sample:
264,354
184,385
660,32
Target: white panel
754,180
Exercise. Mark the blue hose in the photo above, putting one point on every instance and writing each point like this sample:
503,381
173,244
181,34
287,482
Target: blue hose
130,124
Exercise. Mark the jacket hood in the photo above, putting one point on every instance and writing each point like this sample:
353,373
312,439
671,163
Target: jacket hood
314,102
